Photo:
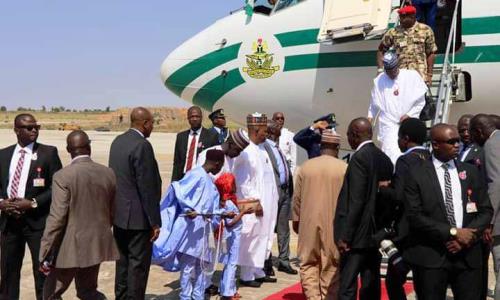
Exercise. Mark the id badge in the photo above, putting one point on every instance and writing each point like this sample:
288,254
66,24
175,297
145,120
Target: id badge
39,182
471,207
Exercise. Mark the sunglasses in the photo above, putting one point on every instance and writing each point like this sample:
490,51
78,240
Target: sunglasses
452,141
29,127
279,118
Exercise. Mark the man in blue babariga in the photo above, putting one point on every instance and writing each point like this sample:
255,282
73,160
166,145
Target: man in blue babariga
189,213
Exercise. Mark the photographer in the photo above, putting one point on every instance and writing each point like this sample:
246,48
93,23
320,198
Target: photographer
310,138
411,136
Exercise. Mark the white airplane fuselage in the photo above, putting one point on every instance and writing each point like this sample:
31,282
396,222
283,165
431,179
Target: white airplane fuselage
306,79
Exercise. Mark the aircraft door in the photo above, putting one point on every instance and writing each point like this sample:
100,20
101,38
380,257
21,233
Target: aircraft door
354,19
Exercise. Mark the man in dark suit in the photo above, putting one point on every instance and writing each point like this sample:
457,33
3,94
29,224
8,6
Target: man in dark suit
472,153
310,138
219,125
137,219
484,132
189,143
83,192
284,184
448,209
355,215
26,171
411,137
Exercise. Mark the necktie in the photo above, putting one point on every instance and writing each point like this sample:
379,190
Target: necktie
285,165
17,175
192,146
222,135
448,196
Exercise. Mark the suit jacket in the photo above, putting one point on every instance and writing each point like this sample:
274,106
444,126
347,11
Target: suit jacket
429,226
221,137
310,140
49,163
355,219
276,170
492,163
207,139
391,207
476,158
78,230
138,182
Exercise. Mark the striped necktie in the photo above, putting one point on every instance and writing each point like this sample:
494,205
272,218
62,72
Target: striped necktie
17,175
448,201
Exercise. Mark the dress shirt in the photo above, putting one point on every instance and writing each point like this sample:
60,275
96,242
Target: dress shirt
190,138
465,152
138,131
414,148
456,187
23,180
362,144
217,129
79,156
279,160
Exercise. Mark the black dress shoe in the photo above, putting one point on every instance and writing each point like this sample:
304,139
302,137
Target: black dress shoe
269,272
212,290
251,283
266,279
287,269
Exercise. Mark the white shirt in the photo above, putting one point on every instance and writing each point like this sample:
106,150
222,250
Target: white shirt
138,131
79,156
465,153
288,147
190,138
456,188
362,144
23,180
414,148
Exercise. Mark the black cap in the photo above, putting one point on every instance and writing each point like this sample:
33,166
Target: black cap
219,113
330,118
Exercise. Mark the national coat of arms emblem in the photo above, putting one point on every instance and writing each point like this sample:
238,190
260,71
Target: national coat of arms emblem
259,64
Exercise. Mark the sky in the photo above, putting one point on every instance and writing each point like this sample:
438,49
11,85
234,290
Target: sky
95,53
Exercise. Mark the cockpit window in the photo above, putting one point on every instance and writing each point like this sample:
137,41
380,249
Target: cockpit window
282,4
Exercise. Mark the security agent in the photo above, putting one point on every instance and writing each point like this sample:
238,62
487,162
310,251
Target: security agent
310,138
219,125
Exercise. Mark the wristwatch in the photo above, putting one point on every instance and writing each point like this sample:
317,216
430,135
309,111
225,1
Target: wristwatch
453,231
34,204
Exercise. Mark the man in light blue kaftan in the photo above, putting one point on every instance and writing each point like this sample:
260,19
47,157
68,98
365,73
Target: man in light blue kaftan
183,244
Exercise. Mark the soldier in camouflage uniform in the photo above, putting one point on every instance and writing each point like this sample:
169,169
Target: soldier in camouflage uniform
413,42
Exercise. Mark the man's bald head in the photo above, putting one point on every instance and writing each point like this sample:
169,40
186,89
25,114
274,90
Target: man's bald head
359,131
78,143
445,141
496,120
142,119
481,127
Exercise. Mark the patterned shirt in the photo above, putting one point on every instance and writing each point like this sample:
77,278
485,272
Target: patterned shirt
412,45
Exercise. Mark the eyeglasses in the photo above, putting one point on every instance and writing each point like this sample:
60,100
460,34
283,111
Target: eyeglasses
452,141
29,127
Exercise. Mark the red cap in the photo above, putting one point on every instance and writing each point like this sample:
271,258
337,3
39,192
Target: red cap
407,10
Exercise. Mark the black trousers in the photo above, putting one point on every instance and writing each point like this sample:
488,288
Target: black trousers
363,262
431,284
132,269
13,243
395,280
486,257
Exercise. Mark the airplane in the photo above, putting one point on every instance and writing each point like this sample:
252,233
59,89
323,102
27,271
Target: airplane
311,57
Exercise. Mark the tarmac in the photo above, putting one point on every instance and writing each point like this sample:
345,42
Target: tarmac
161,284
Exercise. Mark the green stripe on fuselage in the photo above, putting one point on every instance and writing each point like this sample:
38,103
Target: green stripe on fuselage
472,54
178,81
217,88
471,26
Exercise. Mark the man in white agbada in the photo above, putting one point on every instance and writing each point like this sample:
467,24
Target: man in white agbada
236,142
397,94
255,179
